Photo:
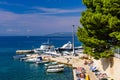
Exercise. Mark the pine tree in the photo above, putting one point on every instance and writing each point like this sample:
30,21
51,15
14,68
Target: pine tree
100,31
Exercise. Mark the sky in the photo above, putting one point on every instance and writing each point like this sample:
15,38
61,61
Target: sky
39,17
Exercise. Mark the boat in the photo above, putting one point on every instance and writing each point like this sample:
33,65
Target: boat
55,66
53,53
34,59
44,47
51,63
55,70
68,47
40,62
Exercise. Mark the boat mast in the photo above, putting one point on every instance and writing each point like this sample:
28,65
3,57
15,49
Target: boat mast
73,40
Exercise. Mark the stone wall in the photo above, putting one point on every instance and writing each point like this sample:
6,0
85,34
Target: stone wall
110,66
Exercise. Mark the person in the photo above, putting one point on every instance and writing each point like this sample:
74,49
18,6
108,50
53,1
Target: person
82,76
68,60
85,62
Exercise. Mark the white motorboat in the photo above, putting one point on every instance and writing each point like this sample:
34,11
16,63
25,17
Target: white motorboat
40,62
52,53
55,70
44,47
51,63
34,59
67,46
55,66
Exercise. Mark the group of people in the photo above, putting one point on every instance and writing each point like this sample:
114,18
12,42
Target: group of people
80,73
93,68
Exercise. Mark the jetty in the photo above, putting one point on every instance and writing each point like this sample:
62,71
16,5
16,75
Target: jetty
24,51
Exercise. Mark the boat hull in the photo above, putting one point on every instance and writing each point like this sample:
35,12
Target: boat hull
52,63
56,66
40,62
55,70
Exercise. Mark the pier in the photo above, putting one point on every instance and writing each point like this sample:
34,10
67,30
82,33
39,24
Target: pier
24,51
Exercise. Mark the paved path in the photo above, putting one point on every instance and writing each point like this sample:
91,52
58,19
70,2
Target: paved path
75,62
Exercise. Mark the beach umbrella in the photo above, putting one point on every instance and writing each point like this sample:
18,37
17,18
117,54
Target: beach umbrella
87,77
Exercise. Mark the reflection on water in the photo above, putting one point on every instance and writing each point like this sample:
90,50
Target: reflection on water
34,66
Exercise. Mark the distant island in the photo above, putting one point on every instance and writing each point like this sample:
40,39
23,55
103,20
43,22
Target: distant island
60,34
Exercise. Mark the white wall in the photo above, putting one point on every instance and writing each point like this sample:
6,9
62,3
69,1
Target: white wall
111,66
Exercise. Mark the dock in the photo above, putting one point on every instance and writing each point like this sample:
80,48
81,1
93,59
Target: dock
24,51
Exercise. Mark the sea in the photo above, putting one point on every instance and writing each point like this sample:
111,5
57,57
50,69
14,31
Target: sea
11,69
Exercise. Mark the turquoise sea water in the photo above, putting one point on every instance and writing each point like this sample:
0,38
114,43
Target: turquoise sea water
11,69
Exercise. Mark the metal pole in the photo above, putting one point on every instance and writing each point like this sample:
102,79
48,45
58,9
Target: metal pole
73,40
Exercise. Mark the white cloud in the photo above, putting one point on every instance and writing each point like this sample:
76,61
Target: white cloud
11,30
58,11
36,24
29,30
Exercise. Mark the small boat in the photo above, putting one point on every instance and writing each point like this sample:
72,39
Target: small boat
52,53
51,63
55,66
35,59
55,70
40,62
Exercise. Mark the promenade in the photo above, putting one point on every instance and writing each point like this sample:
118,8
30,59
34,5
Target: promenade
74,62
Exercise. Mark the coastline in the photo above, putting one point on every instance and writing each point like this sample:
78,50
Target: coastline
74,62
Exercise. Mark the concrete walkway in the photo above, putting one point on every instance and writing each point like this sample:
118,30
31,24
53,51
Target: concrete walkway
75,62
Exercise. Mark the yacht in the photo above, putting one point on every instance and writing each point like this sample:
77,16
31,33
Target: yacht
68,47
44,47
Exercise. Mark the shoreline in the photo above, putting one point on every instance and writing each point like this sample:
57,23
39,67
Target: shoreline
74,62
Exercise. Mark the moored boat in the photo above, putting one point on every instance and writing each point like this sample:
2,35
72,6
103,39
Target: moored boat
40,62
35,59
51,63
44,47
55,70
68,47
55,66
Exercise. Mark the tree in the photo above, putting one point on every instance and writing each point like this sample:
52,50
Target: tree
100,29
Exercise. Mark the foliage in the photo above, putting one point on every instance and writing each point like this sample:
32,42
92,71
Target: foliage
100,27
